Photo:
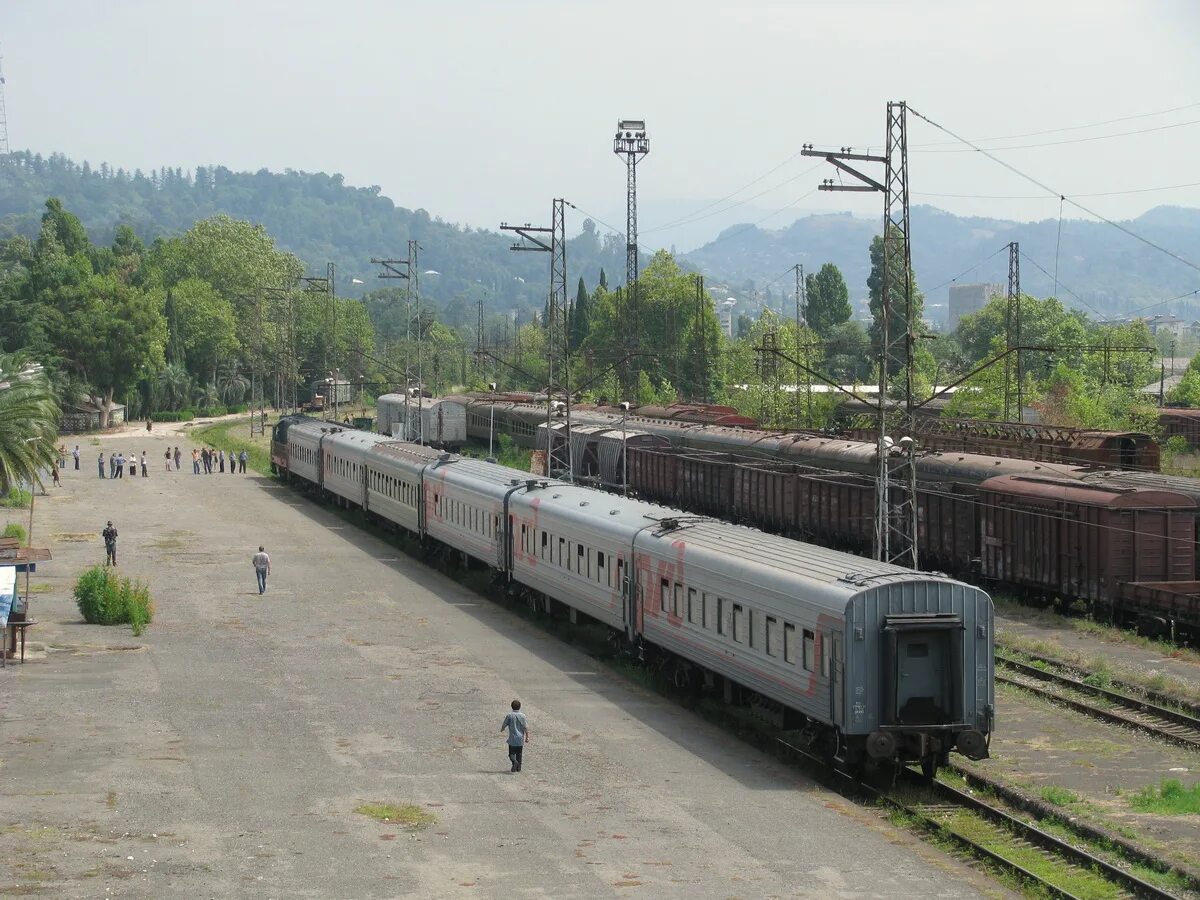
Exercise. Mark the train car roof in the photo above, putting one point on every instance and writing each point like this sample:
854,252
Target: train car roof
1087,493
1190,487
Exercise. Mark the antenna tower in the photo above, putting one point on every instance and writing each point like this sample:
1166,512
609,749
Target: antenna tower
4,148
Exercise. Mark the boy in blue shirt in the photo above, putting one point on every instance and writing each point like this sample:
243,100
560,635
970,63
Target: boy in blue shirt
517,727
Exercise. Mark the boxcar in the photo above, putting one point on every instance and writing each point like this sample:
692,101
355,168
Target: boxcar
1072,540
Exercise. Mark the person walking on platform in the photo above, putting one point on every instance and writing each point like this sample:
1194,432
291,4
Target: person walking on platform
167,457
232,463
242,457
75,454
177,457
54,474
112,464
145,466
101,461
120,464
262,567
517,727
195,461
110,544
221,460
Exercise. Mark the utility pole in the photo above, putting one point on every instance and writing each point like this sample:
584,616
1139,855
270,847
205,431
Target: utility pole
406,269
895,511
632,143
1012,330
801,320
532,239
4,147
479,355
702,335
325,285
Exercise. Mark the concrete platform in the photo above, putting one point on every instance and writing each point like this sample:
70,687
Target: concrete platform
224,752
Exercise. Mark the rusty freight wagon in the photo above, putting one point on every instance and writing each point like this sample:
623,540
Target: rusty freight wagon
1064,539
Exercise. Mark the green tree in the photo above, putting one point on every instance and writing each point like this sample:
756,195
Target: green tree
896,283
29,416
1187,392
828,299
580,316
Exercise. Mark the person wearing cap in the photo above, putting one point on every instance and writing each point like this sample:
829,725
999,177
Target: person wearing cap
110,544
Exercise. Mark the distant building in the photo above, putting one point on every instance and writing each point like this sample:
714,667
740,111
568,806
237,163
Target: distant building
84,415
1169,324
970,298
725,316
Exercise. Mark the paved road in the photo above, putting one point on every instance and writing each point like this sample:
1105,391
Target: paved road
225,752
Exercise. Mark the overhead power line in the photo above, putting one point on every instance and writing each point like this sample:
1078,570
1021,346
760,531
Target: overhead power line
1049,190
1079,140
1165,187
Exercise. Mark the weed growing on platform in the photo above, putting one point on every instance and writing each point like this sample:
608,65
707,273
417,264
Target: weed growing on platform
16,499
105,599
14,530
408,815
1169,798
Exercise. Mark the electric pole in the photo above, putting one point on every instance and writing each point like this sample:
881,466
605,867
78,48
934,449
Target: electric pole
632,143
895,510
4,147
318,285
1012,333
532,238
406,269
801,320
702,335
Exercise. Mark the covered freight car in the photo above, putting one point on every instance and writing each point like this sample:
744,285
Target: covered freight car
1065,539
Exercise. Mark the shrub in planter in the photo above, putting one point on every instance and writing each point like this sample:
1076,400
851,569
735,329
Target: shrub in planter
14,530
105,599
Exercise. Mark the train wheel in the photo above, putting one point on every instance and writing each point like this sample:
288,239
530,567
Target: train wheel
681,675
929,767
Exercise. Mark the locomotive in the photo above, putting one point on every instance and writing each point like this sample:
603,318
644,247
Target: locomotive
868,661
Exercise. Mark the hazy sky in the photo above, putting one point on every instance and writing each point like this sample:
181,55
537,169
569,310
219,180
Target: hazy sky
482,111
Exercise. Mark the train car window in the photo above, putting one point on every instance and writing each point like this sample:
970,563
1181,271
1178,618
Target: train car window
571,556
789,643
678,600
665,595
722,612
750,627
601,573
580,559
809,651
824,656
562,543
772,638
544,539
695,610
706,600
739,623
620,574
524,538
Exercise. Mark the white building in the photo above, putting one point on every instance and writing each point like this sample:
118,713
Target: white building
725,315
971,298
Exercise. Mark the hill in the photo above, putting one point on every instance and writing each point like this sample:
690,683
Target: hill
1098,265
321,218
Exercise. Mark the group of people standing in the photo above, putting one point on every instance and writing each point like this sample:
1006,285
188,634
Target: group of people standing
117,463
209,460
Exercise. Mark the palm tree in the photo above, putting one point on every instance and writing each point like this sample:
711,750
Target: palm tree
174,384
207,395
233,386
29,415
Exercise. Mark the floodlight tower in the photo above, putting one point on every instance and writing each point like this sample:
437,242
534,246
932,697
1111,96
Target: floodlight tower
632,143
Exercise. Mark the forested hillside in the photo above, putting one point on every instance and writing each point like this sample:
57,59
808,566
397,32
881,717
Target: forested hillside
317,217
1099,267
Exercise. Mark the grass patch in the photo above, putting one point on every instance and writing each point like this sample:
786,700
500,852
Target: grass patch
105,599
1170,798
16,499
407,815
15,530
236,435
1186,692
1059,796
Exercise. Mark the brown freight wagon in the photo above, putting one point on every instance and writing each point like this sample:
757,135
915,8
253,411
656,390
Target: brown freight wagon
1183,423
1169,609
1064,539
705,483
654,473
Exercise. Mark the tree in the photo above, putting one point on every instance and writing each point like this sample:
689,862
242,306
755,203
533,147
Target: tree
848,349
1187,392
29,417
580,316
828,299
895,282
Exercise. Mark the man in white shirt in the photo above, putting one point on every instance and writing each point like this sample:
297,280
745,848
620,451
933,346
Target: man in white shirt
262,567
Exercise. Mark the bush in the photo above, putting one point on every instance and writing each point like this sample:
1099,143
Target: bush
181,415
16,499
235,408
14,530
105,599
1177,444
209,412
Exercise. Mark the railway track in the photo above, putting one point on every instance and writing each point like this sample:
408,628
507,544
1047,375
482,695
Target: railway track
1051,865
1116,708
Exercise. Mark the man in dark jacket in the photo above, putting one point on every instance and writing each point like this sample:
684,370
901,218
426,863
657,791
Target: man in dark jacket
110,544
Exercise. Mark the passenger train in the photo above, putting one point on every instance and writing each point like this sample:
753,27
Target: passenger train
868,660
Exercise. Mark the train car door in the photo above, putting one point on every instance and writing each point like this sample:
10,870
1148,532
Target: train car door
837,694
923,663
